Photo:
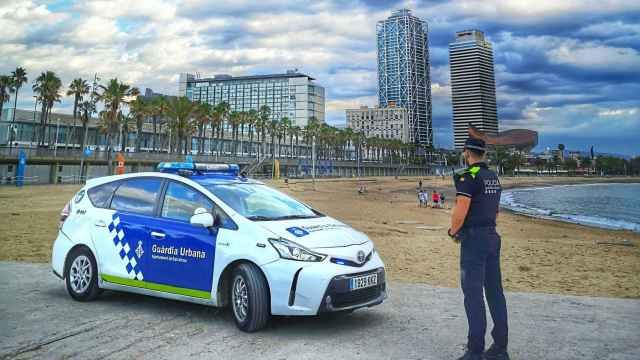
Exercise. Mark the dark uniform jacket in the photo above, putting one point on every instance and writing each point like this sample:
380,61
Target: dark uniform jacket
483,187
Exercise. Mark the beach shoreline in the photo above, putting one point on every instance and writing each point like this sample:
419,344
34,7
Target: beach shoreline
542,255
538,255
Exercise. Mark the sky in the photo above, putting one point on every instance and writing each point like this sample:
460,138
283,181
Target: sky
567,69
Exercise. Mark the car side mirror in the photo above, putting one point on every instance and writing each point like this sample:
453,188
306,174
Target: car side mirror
217,219
202,217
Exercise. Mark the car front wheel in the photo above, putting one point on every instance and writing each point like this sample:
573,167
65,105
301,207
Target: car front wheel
249,298
81,275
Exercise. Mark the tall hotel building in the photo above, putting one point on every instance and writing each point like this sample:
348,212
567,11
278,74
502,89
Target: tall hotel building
473,87
294,95
403,71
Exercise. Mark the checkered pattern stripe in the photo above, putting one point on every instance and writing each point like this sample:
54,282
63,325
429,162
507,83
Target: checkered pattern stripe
125,249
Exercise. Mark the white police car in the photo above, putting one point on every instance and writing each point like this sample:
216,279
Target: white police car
201,233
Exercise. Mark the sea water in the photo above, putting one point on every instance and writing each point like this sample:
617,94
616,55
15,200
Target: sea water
610,206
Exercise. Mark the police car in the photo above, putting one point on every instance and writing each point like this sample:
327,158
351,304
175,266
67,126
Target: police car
205,234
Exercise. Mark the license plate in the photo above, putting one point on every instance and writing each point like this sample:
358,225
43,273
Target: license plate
365,281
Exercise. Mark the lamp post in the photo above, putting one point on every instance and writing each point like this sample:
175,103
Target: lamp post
313,161
55,144
33,133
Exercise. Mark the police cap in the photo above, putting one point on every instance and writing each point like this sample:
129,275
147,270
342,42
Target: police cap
475,144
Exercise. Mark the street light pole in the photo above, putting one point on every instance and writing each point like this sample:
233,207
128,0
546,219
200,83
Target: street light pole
313,161
55,144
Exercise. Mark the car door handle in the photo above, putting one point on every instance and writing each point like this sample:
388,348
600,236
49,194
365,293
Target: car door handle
100,223
157,235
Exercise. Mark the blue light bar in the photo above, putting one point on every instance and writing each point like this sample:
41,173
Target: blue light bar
199,168
175,166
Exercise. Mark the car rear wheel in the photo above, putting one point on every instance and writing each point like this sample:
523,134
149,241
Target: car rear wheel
81,275
249,298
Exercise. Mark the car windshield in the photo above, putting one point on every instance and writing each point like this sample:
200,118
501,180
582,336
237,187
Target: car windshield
261,203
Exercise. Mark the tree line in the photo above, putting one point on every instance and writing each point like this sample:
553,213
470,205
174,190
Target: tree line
179,120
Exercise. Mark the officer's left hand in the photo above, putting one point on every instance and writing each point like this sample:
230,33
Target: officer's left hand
453,237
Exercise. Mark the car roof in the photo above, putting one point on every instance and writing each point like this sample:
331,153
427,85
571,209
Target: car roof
204,180
207,180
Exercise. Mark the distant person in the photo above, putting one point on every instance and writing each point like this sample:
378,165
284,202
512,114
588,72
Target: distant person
422,199
362,189
420,184
442,201
473,223
435,199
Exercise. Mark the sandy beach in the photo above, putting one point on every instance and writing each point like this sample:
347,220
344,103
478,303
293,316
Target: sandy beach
537,255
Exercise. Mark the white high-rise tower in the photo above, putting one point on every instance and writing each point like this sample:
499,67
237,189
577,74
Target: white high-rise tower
473,87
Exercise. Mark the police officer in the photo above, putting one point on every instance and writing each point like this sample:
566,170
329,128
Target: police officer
473,223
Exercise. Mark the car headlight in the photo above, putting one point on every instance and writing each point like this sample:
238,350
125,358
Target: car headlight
292,251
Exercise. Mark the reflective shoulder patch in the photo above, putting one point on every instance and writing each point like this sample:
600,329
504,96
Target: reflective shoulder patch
474,171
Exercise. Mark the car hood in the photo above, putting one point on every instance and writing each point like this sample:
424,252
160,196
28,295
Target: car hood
316,233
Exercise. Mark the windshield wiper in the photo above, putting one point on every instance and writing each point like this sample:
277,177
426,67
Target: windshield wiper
290,217
260,218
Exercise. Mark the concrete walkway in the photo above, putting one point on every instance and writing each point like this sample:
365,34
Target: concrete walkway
39,320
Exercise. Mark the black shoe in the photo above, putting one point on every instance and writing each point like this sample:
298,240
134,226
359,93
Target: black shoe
471,356
496,353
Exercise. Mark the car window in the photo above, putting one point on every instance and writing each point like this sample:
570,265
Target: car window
260,202
181,201
101,194
138,195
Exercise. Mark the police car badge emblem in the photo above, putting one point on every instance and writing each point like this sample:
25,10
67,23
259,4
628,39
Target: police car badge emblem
79,196
361,257
139,250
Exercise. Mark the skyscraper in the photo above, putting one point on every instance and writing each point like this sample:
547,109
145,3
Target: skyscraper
473,87
403,71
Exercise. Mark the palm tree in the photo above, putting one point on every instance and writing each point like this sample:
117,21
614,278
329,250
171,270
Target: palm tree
78,88
251,120
261,125
6,84
235,118
216,122
108,125
350,137
157,109
311,131
125,124
285,124
181,114
47,87
243,118
115,95
86,109
203,118
19,78
221,111
139,110
294,131
273,129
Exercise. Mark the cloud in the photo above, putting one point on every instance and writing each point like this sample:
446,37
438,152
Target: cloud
619,112
565,68
596,57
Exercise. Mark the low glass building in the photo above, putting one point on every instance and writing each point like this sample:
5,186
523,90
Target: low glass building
293,95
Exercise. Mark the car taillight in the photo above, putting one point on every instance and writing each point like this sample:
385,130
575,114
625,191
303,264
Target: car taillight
64,214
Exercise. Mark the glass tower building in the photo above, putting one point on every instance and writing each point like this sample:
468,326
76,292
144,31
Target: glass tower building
403,71
473,87
293,94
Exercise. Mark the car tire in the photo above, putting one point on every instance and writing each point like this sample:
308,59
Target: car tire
81,275
249,296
